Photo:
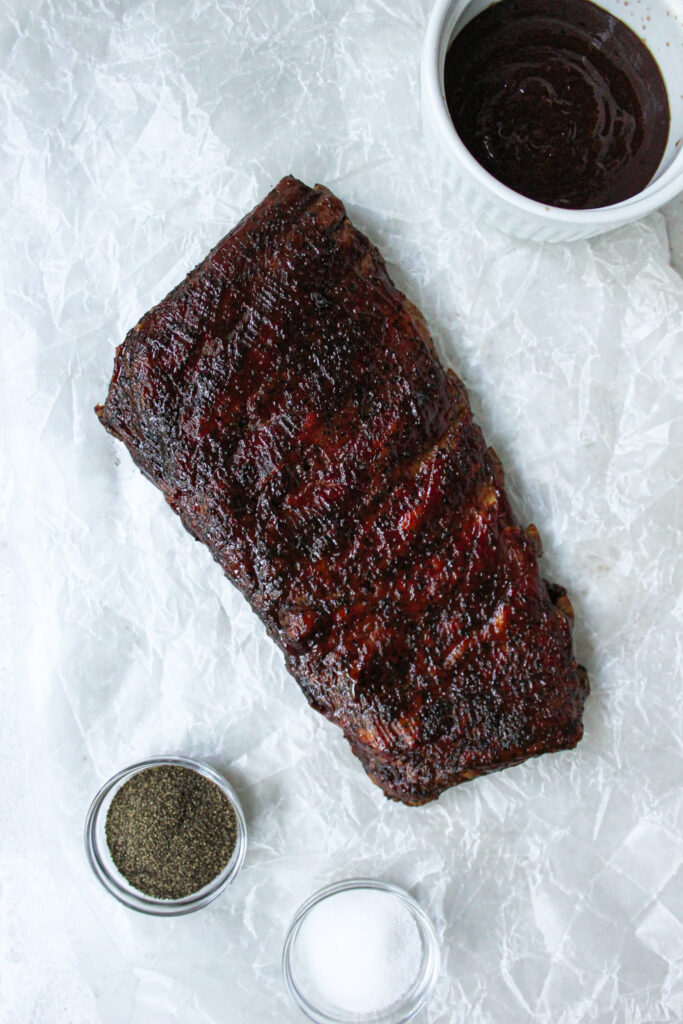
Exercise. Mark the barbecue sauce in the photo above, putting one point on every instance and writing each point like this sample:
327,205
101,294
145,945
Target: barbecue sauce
559,100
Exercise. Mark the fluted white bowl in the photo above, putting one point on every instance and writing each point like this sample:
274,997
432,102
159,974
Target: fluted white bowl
658,22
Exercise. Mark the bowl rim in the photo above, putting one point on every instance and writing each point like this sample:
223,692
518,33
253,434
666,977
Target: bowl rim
654,195
395,1014
135,899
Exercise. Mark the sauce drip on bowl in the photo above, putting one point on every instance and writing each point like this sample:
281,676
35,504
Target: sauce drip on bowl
559,100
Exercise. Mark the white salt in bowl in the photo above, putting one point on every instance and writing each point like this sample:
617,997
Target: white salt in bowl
659,23
313,998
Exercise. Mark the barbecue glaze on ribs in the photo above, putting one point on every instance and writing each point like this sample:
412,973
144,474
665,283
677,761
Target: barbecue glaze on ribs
287,400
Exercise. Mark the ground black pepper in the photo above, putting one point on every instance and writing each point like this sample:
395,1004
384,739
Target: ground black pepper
170,831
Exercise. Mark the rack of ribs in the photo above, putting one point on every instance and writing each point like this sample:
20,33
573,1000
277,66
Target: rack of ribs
289,403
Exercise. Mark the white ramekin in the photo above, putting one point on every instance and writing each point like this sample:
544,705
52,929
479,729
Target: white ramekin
658,22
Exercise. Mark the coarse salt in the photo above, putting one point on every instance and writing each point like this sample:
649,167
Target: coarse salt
358,951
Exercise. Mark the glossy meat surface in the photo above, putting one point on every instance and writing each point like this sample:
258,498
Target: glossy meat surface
287,400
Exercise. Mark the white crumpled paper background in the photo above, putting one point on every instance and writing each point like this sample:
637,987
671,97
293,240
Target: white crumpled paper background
135,134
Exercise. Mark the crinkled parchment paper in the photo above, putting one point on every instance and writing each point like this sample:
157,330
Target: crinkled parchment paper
135,135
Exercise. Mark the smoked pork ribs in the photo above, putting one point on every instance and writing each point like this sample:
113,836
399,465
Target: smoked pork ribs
288,401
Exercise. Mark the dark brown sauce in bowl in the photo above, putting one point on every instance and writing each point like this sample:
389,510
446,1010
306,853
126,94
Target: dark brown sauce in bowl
558,100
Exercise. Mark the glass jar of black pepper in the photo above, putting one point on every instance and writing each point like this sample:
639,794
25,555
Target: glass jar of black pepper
166,836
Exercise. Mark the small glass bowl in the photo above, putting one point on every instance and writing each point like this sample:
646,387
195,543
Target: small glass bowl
409,1002
111,878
